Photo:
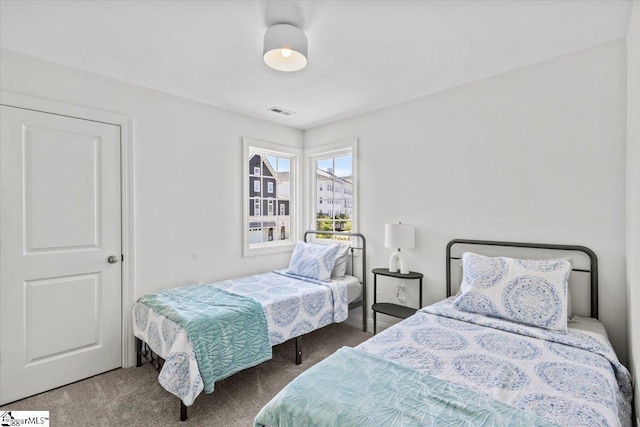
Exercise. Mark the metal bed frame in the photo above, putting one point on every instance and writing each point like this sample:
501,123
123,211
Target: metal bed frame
363,301
593,269
144,351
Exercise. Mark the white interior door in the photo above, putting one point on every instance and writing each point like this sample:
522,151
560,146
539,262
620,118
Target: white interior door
60,221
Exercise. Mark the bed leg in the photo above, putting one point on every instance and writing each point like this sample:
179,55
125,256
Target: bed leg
138,352
364,316
298,351
183,412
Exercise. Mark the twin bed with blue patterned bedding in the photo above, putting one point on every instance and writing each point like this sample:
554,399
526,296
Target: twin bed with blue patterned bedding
443,366
207,332
450,364
283,307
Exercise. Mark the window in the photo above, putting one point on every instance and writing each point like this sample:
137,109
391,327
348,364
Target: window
333,168
271,225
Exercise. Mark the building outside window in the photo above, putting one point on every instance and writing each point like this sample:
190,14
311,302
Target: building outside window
269,174
333,185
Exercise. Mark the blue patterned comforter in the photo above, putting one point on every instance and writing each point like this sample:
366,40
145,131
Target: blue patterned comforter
292,307
572,379
376,392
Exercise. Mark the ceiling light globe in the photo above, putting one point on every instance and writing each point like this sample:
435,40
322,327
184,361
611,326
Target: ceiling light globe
285,48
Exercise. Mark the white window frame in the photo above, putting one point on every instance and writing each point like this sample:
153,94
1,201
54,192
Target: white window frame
270,187
337,149
256,170
295,201
256,186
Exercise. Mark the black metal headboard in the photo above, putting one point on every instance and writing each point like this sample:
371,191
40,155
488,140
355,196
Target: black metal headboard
363,300
593,269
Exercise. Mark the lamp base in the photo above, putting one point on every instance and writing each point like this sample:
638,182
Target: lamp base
397,261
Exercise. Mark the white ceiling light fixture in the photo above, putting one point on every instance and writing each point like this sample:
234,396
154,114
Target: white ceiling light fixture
285,48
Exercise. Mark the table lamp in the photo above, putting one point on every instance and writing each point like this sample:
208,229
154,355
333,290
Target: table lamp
401,236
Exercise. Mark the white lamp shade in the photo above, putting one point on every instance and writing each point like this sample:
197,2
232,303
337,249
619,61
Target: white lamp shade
285,48
401,236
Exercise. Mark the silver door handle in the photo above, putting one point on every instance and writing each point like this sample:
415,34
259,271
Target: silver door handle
112,259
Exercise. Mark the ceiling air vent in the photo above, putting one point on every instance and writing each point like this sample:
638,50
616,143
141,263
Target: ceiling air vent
282,111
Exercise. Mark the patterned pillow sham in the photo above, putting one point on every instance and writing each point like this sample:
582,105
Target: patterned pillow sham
313,261
532,292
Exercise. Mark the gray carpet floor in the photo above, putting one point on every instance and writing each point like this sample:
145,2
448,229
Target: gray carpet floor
133,396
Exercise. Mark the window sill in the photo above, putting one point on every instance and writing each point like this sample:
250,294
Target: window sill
257,249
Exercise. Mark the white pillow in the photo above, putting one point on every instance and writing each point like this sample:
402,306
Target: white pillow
570,317
340,267
532,292
313,261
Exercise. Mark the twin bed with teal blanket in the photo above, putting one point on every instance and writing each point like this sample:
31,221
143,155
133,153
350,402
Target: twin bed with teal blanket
443,367
238,338
374,391
453,365
204,333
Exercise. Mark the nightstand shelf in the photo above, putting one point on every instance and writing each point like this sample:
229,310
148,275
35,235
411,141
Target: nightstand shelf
394,310
391,309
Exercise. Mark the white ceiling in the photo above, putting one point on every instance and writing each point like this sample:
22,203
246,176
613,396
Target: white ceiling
363,55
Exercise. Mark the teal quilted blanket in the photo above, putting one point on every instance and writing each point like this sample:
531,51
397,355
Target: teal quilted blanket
354,388
228,332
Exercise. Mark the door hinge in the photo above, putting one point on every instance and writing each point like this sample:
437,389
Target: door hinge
122,257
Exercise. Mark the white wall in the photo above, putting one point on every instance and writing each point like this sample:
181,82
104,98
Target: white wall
188,175
633,196
536,154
